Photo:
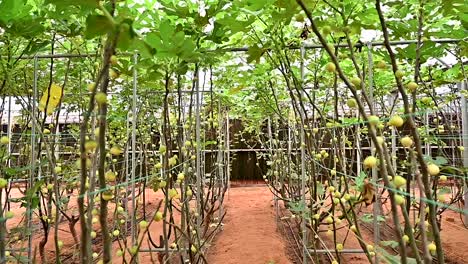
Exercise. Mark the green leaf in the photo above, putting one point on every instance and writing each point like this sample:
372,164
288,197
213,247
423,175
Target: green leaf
360,180
154,40
211,142
166,30
389,243
26,28
13,9
188,48
255,5
82,3
31,199
126,35
98,25
143,48
320,189
254,52
439,161
394,259
369,218
297,207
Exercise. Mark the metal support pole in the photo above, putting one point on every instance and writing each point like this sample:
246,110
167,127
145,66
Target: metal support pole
198,149
344,251
228,153
9,130
464,110
134,120
33,155
220,160
275,181
238,49
303,168
376,206
358,145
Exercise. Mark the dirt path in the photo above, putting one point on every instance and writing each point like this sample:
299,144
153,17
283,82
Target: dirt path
250,234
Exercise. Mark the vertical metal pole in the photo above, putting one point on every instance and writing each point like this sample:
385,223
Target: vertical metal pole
33,155
427,145
9,130
303,166
275,181
394,161
228,153
290,124
134,120
198,150
464,110
376,207
220,158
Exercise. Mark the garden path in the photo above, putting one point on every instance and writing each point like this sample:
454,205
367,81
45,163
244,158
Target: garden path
250,235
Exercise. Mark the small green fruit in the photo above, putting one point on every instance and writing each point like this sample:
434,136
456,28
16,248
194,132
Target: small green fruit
399,199
399,74
326,30
58,169
381,65
370,162
432,247
396,121
158,216
373,120
143,225
113,60
4,140
101,98
116,151
399,181
9,214
339,247
412,86
356,81
406,142
405,238
330,67
433,169
91,87
3,183
351,103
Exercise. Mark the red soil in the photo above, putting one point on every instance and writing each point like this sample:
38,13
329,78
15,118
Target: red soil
250,233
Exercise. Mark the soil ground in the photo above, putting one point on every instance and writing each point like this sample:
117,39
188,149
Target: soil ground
250,232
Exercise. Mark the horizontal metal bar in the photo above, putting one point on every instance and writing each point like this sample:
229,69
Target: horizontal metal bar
357,45
344,251
241,150
243,49
17,249
62,56
162,249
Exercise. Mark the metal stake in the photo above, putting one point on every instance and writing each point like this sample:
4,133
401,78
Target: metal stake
303,167
33,156
376,207
198,152
464,110
134,121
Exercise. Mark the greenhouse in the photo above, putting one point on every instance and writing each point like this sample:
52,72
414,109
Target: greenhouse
247,131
